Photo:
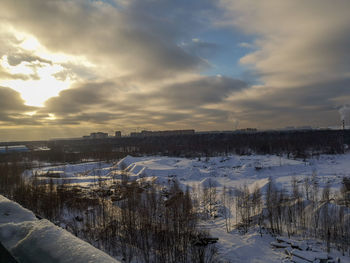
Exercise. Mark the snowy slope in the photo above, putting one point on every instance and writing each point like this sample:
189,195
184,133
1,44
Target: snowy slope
31,240
237,248
231,171
233,247
235,171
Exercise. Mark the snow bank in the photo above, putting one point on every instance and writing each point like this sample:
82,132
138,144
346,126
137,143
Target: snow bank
13,212
31,240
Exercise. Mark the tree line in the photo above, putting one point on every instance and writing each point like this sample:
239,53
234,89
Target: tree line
298,144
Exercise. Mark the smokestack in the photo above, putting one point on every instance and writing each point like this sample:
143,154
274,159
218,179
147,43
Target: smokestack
343,124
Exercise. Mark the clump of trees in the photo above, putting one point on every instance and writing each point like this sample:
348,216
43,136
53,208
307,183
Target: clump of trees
130,220
304,210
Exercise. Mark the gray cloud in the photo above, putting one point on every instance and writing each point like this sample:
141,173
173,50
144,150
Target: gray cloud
146,62
314,106
129,39
4,74
11,101
110,102
301,55
12,108
74,70
295,44
141,65
16,59
80,98
204,90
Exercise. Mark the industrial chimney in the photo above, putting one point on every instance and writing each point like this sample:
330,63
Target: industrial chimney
343,122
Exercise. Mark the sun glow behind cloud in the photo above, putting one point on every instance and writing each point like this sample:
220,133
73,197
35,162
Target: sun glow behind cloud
30,43
36,92
39,83
38,78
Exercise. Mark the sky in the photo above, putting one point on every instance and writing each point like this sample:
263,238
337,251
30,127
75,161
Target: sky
71,67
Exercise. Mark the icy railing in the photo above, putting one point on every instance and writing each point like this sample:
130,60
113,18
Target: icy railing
31,240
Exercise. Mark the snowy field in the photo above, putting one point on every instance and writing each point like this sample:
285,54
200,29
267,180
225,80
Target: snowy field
232,171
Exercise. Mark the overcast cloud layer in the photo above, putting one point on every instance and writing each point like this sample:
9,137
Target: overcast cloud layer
141,64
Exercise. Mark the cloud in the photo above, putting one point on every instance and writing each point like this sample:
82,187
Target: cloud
12,108
113,102
79,98
289,106
140,63
4,74
130,40
246,45
16,59
11,101
199,92
296,45
301,58
137,70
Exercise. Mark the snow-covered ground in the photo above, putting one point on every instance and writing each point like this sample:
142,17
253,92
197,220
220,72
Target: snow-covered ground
232,171
235,171
31,240
233,247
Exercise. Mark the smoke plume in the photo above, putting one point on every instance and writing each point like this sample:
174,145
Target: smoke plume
344,112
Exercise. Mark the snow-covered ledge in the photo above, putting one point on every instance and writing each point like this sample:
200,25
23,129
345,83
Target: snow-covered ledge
31,240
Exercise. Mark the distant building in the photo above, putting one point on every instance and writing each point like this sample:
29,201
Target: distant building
13,149
118,134
247,130
161,133
96,135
